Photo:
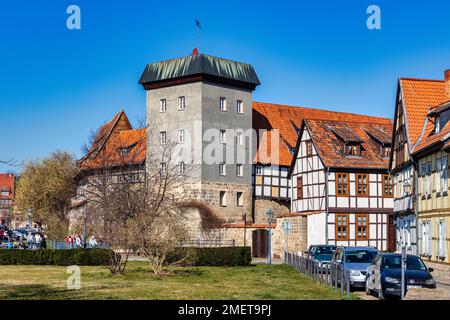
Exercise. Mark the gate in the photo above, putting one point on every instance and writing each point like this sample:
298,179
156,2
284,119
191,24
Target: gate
260,243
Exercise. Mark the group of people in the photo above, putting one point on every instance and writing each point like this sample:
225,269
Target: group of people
76,241
35,241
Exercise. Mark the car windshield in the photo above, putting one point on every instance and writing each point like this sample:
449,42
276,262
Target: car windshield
324,250
323,257
360,256
395,262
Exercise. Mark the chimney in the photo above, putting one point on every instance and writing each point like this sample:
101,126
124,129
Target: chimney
447,84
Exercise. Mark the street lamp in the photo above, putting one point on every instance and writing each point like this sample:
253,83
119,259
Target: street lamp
269,214
407,188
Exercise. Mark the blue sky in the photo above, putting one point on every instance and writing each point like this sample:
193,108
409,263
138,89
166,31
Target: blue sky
56,84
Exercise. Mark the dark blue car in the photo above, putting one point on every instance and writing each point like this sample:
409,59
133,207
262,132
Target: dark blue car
384,275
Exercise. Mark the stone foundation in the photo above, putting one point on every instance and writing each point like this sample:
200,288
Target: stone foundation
441,270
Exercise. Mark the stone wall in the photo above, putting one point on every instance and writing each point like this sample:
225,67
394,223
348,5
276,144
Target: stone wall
297,239
261,205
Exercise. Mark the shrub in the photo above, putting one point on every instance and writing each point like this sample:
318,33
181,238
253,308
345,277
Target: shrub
80,257
220,256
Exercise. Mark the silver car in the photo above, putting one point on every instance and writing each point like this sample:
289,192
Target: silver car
355,261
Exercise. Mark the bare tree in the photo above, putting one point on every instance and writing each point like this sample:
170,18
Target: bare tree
129,199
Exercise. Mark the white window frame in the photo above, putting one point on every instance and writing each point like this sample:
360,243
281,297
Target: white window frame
223,136
239,138
438,174
182,167
163,169
444,184
181,136
430,178
223,104
163,137
223,198
239,170
222,169
442,238
181,103
239,199
162,105
239,107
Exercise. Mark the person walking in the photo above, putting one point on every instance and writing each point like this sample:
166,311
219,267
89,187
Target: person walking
30,241
92,242
43,242
78,241
37,240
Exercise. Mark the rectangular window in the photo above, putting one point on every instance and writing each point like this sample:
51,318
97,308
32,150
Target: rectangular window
239,106
240,170
163,137
222,169
239,139
181,103
362,227
240,199
222,104
444,184
299,187
223,136
424,180
163,169
438,175
352,150
341,226
309,148
362,184
258,170
162,105
182,167
442,238
387,185
181,136
223,199
429,178
342,184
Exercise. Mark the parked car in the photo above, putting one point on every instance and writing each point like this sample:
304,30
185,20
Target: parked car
322,254
384,275
355,261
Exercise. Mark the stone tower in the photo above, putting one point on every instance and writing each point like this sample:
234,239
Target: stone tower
205,103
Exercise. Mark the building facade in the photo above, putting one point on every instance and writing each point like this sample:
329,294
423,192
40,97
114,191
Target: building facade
340,181
7,184
413,101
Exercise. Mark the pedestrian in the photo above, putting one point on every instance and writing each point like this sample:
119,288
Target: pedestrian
10,244
30,241
37,240
43,242
92,242
78,241
2,234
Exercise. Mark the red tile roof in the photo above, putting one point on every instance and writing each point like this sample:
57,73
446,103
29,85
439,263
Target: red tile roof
7,184
284,117
433,139
111,138
420,95
331,151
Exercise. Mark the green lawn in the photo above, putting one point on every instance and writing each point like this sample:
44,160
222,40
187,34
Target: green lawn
254,282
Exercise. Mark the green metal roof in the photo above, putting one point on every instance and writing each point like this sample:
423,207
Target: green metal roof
199,64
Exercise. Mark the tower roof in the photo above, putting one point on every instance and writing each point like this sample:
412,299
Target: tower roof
200,65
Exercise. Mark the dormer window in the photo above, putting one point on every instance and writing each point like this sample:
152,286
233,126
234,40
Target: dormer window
124,151
353,149
437,123
386,152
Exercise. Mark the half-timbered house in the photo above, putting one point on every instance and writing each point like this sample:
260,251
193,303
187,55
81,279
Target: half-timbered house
414,99
340,180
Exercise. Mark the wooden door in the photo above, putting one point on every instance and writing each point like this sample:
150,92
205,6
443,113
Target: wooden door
260,243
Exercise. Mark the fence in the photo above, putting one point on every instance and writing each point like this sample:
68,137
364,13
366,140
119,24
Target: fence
328,274
62,245
208,243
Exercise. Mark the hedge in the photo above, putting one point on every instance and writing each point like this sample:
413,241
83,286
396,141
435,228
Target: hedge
79,257
220,256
